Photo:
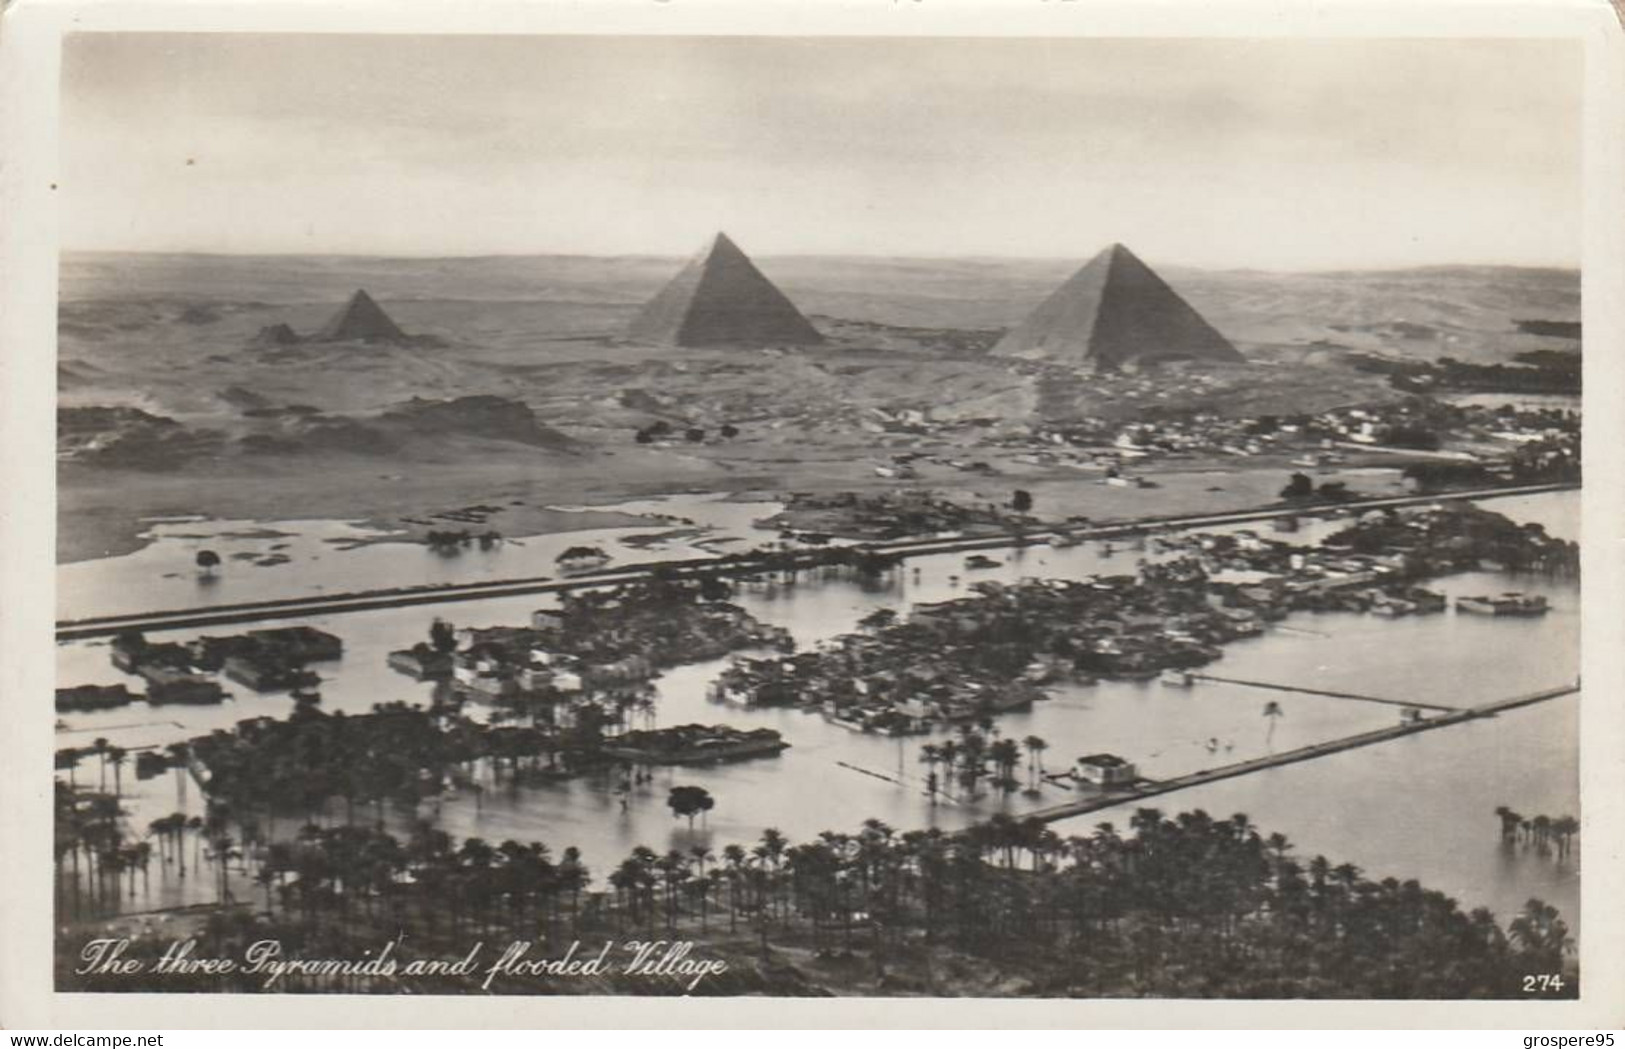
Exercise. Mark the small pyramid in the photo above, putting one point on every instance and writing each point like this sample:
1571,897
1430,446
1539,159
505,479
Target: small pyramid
360,319
721,299
275,335
1115,311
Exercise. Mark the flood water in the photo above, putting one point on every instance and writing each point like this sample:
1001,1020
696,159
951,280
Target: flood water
332,557
1417,807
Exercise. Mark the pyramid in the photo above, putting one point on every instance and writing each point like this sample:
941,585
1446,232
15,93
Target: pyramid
721,299
275,335
363,319
1115,311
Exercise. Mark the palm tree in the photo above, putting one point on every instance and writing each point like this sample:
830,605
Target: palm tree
1035,759
734,856
1272,711
117,757
930,754
674,870
1509,822
1005,754
1542,935
1565,827
179,753
1542,827
195,825
140,857
68,758
690,801
573,877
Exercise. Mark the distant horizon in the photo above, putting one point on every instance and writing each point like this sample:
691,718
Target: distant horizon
1276,155
1077,260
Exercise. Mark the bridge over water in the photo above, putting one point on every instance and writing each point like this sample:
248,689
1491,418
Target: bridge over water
1106,799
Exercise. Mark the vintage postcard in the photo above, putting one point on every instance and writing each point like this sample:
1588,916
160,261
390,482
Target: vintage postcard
660,506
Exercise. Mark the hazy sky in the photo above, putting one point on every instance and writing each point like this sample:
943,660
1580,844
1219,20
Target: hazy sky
1217,153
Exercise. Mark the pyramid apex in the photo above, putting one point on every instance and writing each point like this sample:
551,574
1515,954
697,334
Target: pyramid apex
723,242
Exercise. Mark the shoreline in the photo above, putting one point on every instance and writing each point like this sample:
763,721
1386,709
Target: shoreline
364,600
106,512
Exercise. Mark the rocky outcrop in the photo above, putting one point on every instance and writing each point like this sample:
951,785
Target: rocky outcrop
130,438
481,415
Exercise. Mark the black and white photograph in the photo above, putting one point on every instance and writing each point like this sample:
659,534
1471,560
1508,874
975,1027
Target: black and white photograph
1002,517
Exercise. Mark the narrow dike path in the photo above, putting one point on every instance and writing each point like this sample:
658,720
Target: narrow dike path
1151,788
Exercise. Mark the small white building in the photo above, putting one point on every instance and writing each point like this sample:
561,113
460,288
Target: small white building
1105,770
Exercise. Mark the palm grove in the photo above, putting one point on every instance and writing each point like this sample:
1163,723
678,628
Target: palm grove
1182,906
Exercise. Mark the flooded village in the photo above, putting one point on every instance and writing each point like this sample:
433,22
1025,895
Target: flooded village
947,583
635,686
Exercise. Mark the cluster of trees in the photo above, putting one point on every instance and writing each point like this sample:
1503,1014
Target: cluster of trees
1301,488
1532,463
1420,438
661,430
94,859
1547,373
979,752
452,540
1184,906
396,752
1438,475
1542,833
108,754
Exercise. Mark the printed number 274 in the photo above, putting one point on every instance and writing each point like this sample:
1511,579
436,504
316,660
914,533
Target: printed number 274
1542,982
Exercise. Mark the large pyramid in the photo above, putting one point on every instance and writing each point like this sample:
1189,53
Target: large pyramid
721,299
1115,311
360,318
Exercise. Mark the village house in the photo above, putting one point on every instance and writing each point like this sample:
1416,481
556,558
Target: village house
422,662
299,643
265,675
171,685
1105,771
